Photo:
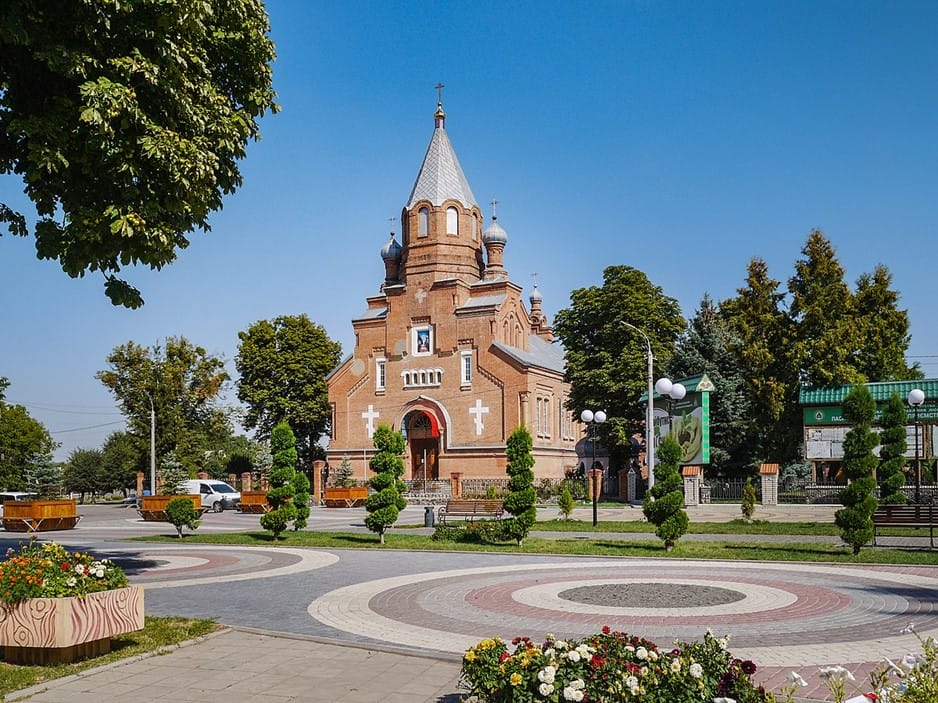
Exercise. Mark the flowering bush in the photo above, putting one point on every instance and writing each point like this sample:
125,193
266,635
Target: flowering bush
611,666
48,570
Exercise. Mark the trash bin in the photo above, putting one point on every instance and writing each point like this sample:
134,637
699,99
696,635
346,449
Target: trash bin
429,516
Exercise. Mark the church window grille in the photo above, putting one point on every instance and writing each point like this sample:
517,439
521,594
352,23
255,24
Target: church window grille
423,222
452,221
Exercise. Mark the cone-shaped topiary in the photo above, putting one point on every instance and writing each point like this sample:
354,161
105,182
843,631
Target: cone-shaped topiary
855,518
386,502
301,500
893,445
664,503
565,503
521,494
748,502
282,472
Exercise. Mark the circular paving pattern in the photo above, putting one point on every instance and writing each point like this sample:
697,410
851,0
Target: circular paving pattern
674,595
786,614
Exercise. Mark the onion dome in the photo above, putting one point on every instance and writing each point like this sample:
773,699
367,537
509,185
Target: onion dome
391,250
536,296
494,234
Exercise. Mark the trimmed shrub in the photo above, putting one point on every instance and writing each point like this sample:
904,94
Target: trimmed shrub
892,451
521,496
385,504
855,518
282,473
664,503
180,512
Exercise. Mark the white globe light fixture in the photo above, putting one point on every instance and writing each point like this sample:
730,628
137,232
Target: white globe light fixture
663,386
916,399
678,391
586,416
672,391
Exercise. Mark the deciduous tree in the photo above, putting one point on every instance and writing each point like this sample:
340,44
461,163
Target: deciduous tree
22,438
184,383
606,361
121,459
126,121
283,364
83,472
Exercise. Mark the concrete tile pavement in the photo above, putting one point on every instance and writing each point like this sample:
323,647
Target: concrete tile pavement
240,666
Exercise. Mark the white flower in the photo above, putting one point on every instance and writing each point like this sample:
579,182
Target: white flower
641,653
631,682
560,645
653,656
99,573
796,678
629,648
573,656
584,650
675,666
545,689
79,569
724,642
908,629
71,581
547,674
695,670
836,673
577,684
635,690
572,694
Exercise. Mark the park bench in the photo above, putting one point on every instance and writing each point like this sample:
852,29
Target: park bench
906,516
468,509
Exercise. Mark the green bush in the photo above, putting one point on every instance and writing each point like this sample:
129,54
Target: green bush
566,503
385,504
664,503
282,475
521,495
748,504
855,518
180,512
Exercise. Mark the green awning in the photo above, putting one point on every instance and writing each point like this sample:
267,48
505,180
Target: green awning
834,395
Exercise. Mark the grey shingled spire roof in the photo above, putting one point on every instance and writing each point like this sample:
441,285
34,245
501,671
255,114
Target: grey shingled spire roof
441,177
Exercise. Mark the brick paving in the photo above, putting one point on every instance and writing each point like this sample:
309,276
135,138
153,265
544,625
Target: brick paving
323,622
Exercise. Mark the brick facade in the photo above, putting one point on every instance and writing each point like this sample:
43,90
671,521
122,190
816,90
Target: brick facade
448,352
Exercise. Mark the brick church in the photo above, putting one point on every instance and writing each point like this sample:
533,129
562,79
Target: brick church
447,352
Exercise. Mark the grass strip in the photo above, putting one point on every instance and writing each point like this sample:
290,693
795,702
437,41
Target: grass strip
157,632
590,546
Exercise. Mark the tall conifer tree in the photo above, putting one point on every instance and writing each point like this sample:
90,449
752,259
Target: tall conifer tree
893,445
855,518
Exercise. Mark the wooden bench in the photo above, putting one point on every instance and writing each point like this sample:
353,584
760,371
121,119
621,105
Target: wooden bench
466,509
906,516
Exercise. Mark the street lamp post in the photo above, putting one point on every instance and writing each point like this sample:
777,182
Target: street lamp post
649,409
591,420
152,445
916,399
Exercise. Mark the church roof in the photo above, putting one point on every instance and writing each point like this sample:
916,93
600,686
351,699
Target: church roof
441,177
483,301
372,314
542,354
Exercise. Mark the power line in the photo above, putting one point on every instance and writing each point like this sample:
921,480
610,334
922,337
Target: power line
89,427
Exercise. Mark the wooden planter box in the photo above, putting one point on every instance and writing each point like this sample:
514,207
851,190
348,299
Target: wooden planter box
39,515
254,502
153,508
55,630
346,497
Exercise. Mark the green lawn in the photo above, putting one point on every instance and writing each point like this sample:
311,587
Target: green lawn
599,545
156,633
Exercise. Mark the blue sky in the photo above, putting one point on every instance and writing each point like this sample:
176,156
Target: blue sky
679,138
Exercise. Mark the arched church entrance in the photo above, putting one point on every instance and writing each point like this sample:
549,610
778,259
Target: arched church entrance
423,440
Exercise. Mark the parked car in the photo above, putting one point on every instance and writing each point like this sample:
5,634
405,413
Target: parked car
216,495
14,495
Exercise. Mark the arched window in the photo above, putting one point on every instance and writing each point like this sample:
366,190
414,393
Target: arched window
423,222
452,221
475,227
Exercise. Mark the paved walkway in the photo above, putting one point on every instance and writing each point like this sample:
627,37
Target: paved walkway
381,625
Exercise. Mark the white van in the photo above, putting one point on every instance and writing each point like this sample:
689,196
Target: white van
216,495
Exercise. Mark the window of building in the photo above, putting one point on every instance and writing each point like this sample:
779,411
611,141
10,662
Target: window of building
416,378
423,222
475,228
381,368
421,342
465,366
452,221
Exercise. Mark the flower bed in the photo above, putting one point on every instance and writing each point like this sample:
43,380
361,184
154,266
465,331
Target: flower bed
59,606
611,666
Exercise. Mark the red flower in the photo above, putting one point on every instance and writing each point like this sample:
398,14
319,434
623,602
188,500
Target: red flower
504,656
597,661
66,566
606,629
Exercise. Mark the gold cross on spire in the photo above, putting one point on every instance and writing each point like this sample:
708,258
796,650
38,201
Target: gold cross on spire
494,203
439,92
